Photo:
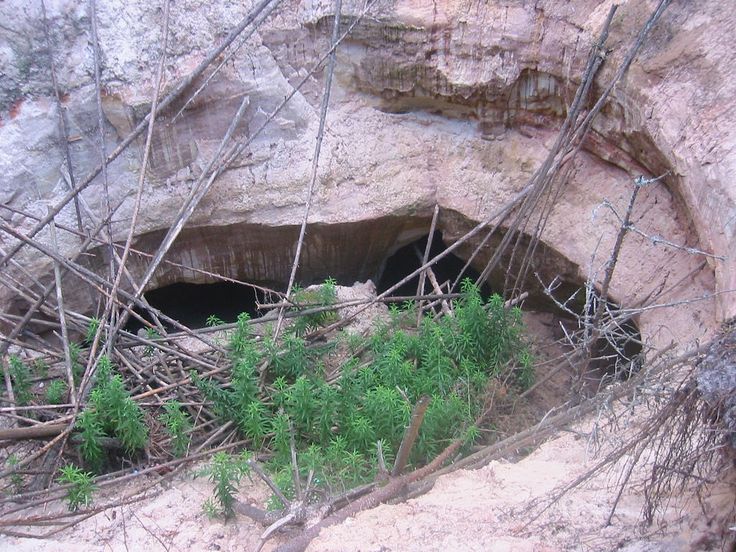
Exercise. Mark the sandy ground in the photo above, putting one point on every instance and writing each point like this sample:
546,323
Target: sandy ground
490,509
485,509
172,520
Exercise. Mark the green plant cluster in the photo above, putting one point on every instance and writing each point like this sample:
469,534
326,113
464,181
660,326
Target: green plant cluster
40,367
111,412
336,426
151,334
20,376
56,392
225,471
214,321
81,486
178,425
92,326
322,296
16,479
75,351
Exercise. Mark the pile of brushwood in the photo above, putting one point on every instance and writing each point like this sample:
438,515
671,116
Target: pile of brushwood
316,413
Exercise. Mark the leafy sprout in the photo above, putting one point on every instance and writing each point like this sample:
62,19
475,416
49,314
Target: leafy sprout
92,327
178,425
213,321
81,486
21,378
56,391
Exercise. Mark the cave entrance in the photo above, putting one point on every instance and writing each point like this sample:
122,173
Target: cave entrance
617,354
409,258
193,304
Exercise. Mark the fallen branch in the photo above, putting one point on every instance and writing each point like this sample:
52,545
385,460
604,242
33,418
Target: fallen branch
393,488
34,432
412,431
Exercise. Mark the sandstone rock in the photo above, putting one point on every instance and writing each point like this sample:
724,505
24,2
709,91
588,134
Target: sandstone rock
442,103
432,104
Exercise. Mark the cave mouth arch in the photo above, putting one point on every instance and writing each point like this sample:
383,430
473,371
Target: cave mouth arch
192,303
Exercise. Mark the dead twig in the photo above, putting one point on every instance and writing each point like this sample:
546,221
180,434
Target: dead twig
62,320
394,487
412,431
60,113
112,333
315,159
425,258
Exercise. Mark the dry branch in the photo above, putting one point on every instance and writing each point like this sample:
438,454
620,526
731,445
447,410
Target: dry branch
34,432
412,431
543,177
108,312
60,113
92,8
119,247
100,284
425,258
315,158
18,328
393,488
62,319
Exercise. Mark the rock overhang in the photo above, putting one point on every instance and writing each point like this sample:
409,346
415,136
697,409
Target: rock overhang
431,107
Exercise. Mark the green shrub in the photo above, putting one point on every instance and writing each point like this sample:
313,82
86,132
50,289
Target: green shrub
21,378
56,392
336,426
323,296
121,417
16,479
225,472
80,492
151,334
110,412
178,425
75,352
40,367
92,327
213,321
91,433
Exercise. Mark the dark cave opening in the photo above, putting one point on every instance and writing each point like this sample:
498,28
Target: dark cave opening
193,304
409,258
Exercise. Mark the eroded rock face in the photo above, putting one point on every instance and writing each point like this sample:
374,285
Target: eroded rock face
434,103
